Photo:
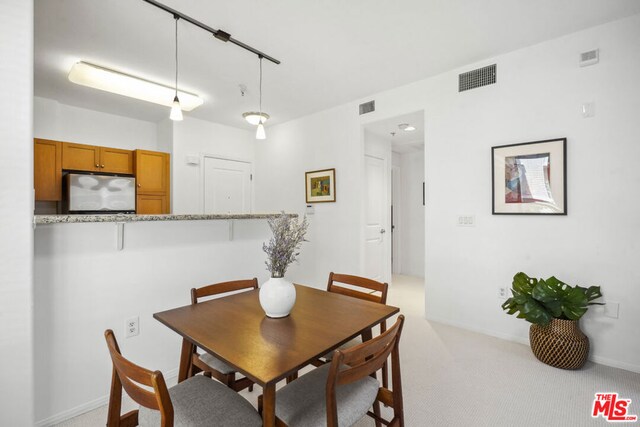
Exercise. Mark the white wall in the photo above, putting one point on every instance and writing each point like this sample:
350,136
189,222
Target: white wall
84,286
199,137
319,141
16,211
539,94
53,120
411,229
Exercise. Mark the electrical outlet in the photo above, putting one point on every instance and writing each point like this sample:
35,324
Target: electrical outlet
131,327
503,292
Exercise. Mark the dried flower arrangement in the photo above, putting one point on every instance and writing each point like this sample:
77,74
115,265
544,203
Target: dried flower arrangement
283,248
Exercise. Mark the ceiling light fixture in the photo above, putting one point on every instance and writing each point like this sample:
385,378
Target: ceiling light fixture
176,110
108,80
219,34
255,118
260,117
406,127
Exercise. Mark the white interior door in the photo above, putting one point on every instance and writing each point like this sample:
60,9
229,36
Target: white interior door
227,186
376,258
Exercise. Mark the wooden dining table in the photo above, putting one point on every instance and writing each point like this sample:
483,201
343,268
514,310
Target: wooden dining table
235,329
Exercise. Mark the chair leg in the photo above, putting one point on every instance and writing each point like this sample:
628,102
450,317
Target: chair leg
385,375
251,388
292,377
231,381
376,411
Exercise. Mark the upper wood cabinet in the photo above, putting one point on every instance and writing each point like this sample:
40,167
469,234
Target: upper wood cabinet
153,182
80,157
152,172
115,160
47,170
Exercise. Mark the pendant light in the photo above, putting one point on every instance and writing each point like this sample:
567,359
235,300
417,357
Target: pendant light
176,111
258,118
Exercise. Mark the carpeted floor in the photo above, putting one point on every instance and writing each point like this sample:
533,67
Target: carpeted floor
453,377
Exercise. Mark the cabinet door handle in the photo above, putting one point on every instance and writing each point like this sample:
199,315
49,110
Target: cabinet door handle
139,185
97,165
102,166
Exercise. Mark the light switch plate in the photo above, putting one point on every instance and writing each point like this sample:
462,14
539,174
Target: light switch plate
612,309
466,221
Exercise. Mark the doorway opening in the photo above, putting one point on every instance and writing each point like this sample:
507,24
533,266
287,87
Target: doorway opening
395,199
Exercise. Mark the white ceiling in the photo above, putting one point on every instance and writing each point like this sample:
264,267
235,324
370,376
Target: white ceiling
332,51
402,141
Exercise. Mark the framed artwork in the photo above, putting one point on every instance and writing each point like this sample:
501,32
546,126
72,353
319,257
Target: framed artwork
530,178
321,186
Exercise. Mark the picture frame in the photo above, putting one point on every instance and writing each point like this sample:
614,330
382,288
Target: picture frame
320,186
530,178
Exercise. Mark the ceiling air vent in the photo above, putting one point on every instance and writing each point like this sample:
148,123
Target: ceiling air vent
477,78
367,107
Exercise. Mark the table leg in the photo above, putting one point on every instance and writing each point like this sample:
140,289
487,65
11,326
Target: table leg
185,360
269,405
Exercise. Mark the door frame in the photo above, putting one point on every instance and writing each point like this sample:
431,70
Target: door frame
203,157
396,247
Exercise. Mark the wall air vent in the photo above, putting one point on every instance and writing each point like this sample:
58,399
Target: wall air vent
589,58
367,107
477,78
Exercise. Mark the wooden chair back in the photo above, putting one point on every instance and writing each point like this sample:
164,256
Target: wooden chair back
130,376
222,288
360,282
365,360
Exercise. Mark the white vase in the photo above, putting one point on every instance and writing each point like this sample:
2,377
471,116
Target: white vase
277,297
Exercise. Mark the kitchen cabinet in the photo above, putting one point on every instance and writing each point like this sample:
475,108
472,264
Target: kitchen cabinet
115,160
153,178
47,170
151,204
90,158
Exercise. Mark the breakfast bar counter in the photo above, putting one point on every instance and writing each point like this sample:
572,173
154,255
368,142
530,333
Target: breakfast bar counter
72,219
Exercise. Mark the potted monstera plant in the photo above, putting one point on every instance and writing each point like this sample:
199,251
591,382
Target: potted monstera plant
554,309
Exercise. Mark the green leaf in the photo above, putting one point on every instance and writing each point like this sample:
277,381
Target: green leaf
592,292
538,301
523,284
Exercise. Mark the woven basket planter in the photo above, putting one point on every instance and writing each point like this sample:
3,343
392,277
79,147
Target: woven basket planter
561,344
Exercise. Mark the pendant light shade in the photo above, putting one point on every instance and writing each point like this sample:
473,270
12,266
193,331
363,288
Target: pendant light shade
176,110
260,133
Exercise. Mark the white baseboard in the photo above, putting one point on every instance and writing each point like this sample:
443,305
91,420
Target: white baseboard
522,340
58,418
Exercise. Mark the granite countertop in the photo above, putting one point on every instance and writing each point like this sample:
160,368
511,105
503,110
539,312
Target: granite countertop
68,219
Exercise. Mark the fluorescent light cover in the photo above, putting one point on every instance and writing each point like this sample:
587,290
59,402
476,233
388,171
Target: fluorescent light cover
101,78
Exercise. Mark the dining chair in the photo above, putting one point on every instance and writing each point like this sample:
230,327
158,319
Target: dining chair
196,402
207,363
368,290
342,392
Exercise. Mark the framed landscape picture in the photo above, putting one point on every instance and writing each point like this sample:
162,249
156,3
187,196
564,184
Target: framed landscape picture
321,186
530,178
